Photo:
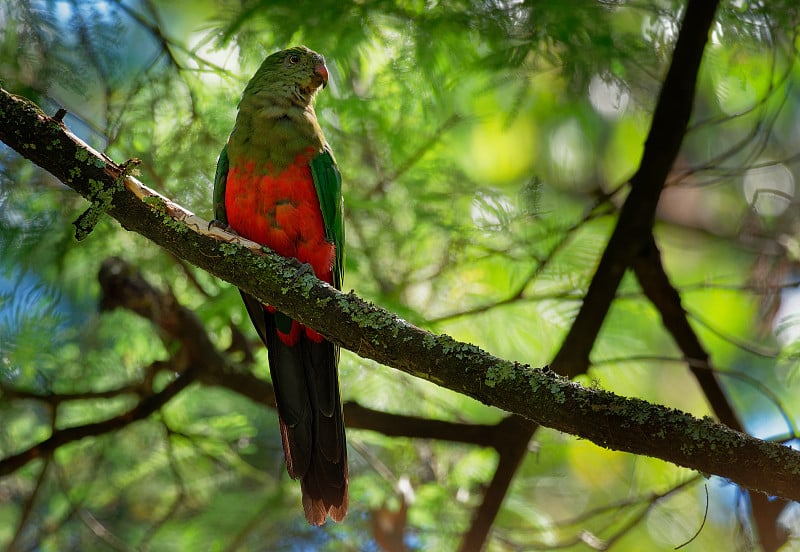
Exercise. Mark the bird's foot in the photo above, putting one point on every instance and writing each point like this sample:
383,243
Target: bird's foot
216,223
304,268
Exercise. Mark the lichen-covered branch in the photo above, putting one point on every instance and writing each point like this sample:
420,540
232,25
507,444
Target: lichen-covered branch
609,420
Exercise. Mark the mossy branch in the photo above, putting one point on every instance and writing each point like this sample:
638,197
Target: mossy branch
609,420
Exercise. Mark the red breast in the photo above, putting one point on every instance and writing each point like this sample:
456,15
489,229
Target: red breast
280,211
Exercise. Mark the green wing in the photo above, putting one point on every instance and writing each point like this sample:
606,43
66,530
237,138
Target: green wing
328,183
220,180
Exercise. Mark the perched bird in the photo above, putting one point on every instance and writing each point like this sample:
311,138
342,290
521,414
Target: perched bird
277,184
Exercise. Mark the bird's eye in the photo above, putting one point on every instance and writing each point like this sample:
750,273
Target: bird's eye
294,58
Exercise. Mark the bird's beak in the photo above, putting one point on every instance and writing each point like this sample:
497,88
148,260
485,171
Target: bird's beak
322,71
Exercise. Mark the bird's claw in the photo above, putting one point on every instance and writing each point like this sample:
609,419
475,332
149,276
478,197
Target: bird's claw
304,268
216,223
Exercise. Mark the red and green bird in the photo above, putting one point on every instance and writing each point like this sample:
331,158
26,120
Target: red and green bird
277,184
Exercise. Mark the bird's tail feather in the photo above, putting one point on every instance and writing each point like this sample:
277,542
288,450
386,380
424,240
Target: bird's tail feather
306,382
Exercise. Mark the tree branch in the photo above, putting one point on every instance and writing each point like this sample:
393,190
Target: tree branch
635,223
516,433
665,298
123,286
657,287
60,437
611,421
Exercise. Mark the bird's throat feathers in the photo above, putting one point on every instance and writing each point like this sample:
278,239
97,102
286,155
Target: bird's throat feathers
274,133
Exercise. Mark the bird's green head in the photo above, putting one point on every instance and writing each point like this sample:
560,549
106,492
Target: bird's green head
294,75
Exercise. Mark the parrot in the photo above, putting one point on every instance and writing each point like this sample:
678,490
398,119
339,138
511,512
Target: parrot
277,184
